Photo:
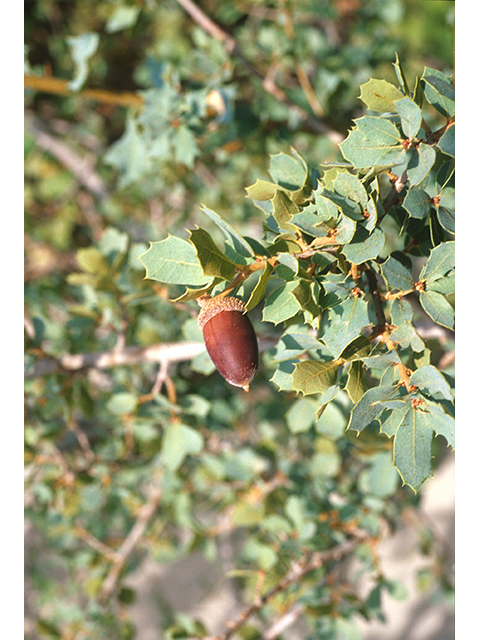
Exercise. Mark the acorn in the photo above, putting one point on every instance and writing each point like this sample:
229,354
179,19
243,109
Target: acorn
229,338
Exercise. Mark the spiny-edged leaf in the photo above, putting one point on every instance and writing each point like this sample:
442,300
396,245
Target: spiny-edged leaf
439,91
396,275
195,292
261,190
352,189
326,209
412,448
445,285
283,210
173,261
364,245
406,335
240,245
442,423
420,163
410,116
440,261
379,95
281,304
439,310
179,440
288,172
283,375
304,294
417,202
345,322
212,260
311,376
310,222
371,405
259,290
374,142
431,382
293,345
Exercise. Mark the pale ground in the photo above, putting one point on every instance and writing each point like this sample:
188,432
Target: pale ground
198,588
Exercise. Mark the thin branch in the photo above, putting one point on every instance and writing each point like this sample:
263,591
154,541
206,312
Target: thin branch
57,86
298,571
81,168
145,514
127,356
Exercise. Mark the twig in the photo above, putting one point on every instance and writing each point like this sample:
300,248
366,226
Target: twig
128,545
48,84
298,570
268,84
81,168
166,352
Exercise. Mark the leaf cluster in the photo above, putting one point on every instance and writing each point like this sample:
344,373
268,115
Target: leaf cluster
323,255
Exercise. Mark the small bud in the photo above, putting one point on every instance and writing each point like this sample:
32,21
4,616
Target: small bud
230,339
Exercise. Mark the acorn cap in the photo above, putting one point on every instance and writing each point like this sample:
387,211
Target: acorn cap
212,306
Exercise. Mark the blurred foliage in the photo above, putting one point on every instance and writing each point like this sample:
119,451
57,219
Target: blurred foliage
116,468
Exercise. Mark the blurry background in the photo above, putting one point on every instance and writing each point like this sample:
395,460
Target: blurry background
172,112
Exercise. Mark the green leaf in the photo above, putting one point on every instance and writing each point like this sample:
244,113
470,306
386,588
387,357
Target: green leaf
364,246
446,218
122,18
179,441
440,262
283,210
396,275
356,385
240,245
301,415
380,95
412,448
374,142
91,260
439,91
422,160
380,478
447,141
309,222
410,116
261,190
288,172
173,261
311,376
82,48
259,290
293,345
401,75
437,308
212,260
345,322
431,382
371,405
418,203
122,403
184,146
281,304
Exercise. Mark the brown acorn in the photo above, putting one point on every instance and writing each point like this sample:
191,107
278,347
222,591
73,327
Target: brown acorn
230,339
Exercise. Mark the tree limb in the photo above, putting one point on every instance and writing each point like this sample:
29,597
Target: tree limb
163,353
